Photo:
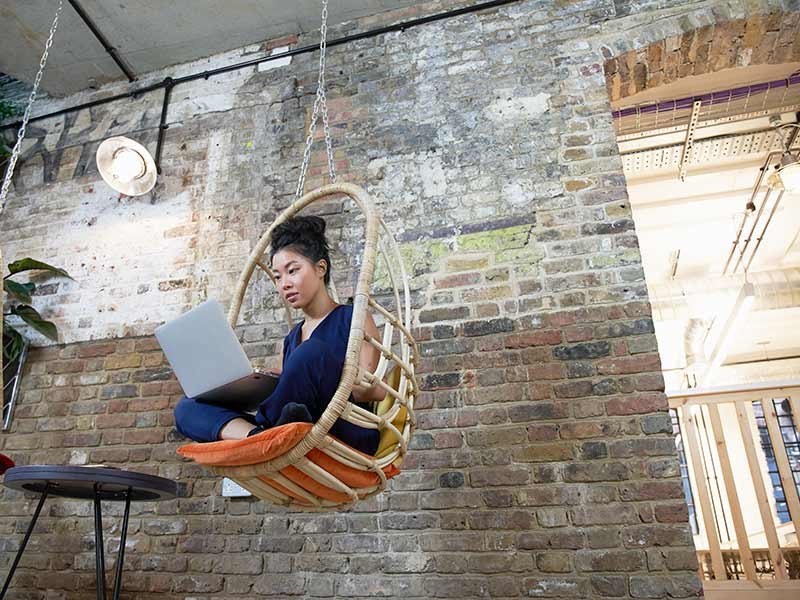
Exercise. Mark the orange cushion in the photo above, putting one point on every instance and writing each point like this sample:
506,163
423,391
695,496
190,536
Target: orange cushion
354,478
256,449
274,442
350,476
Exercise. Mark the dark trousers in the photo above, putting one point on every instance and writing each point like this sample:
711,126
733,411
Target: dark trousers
310,377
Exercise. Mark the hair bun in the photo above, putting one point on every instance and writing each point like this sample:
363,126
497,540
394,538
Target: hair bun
303,234
303,226
314,224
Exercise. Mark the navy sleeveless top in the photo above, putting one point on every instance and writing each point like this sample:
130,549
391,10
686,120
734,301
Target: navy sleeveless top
334,331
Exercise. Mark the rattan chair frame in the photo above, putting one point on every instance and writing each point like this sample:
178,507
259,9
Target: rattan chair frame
395,323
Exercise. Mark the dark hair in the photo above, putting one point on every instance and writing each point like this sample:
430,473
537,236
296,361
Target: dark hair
304,235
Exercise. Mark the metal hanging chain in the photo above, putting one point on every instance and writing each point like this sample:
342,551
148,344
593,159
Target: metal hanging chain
12,162
320,105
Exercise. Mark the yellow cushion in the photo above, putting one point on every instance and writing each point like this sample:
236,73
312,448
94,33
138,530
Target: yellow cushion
389,441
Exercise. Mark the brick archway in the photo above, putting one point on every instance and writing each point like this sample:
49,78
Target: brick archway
761,39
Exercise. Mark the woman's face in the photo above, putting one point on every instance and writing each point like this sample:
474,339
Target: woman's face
298,279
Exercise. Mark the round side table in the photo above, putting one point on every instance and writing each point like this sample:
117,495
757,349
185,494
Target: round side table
88,483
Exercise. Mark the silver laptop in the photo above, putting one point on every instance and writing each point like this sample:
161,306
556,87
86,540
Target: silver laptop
209,361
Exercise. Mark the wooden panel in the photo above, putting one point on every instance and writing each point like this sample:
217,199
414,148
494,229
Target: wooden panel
751,590
731,394
693,447
785,471
733,498
745,418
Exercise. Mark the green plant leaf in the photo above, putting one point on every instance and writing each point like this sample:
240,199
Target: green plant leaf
32,317
21,291
30,264
12,343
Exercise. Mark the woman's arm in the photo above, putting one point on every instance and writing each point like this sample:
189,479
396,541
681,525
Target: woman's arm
369,362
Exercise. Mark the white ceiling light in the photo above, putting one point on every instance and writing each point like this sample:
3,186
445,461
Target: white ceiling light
788,174
126,166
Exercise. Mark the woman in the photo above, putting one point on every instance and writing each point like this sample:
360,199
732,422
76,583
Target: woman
313,352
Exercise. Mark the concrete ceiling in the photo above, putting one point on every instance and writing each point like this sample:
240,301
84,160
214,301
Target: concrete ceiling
151,34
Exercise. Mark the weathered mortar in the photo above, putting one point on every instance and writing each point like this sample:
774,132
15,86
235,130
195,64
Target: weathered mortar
543,465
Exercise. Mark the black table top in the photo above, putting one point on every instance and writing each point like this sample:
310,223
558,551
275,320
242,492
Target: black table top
80,482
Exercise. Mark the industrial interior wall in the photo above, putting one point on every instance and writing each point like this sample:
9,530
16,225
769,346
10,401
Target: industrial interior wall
543,465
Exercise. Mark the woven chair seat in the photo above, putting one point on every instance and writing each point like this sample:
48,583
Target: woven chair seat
299,465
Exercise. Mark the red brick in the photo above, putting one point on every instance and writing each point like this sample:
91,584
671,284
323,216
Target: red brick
114,421
457,280
644,363
148,344
584,429
533,338
672,513
636,404
651,490
546,371
94,350
65,366
578,333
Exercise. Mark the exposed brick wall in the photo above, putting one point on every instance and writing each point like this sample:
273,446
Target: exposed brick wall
517,480
762,39
543,465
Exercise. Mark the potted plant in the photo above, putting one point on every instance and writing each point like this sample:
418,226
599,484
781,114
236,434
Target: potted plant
18,304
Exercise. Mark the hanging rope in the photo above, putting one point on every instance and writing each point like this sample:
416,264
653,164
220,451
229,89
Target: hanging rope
320,105
12,162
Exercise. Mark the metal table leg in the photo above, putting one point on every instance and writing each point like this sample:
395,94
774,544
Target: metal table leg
121,557
100,562
25,540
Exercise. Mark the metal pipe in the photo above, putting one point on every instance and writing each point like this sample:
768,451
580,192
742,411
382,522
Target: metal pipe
789,143
764,231
757,218
301,50
103,41
92,104
162,126
746,215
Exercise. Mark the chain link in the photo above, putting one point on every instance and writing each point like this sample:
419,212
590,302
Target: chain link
320,105
12,162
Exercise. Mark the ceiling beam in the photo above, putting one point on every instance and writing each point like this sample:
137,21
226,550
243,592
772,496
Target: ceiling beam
112,51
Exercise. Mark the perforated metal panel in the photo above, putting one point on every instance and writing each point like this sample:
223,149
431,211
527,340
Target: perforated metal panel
704,152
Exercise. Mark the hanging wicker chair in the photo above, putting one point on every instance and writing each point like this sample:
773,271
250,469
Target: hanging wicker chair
303,467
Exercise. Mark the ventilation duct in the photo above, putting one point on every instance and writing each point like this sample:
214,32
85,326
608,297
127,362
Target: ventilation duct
688,299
